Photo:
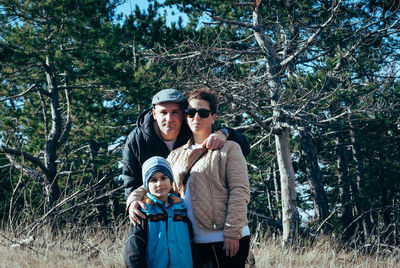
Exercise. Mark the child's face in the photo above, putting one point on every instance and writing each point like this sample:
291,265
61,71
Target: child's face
159,186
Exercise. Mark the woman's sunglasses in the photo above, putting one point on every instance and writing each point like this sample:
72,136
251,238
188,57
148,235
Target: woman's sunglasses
203,113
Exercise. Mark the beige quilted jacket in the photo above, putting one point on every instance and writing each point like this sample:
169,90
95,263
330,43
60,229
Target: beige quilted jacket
219,187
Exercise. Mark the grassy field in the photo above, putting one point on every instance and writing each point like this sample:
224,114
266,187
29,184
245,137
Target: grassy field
99,247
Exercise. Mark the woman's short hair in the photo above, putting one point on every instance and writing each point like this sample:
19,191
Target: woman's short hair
207,95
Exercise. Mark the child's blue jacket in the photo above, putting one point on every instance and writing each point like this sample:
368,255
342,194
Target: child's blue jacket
162,240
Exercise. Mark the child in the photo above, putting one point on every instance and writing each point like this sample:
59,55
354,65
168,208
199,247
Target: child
162,239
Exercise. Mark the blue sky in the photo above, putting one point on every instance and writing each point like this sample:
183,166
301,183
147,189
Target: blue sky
172,13
129,5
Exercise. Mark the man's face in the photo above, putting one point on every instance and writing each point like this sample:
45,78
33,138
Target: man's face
169,118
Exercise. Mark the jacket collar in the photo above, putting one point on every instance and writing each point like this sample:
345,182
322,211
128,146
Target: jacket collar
146,123
194,154
151,200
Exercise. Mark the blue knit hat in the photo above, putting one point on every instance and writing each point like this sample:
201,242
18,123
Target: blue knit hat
153,165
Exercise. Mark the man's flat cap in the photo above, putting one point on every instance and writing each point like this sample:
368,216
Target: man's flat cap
169,95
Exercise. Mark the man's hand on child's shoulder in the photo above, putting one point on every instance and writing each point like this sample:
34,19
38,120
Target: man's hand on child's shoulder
135,213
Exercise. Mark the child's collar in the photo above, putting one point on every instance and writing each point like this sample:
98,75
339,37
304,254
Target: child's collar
172,199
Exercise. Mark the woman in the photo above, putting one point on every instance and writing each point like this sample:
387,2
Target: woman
217,189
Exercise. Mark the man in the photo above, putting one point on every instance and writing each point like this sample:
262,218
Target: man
160,130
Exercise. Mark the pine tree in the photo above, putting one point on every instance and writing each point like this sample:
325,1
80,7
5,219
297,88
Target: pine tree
55,67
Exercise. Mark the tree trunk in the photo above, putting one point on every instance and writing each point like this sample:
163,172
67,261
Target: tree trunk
387,197
276,187
290,216
288,190
52,190
361,200
268,192
344,186
101,207
314,177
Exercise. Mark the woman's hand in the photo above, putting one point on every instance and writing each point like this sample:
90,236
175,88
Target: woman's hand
231,247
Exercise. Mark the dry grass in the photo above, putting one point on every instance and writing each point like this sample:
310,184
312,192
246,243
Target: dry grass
86,248
97,247
323,253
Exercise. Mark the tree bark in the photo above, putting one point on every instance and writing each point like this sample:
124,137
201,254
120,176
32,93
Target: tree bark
276,186
361,201
52,190
268,192
290,216
314,177
344,185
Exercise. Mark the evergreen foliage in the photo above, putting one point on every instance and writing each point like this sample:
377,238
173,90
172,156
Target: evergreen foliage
75,76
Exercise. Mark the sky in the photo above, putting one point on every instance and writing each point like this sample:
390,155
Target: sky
172,13
129,5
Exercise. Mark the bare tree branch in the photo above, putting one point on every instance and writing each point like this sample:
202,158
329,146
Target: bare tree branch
18,95
311,39
34,160
233,22
56,209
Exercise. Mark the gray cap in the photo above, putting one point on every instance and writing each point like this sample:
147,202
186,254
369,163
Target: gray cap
169,95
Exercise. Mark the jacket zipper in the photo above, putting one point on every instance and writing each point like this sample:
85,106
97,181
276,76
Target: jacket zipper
166,233
214,225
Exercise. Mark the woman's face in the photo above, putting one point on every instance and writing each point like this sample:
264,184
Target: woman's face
197,124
